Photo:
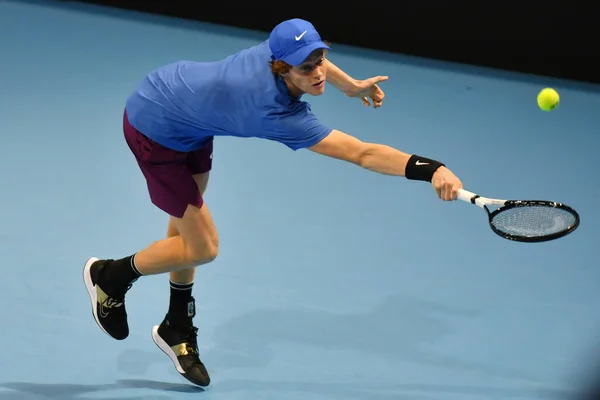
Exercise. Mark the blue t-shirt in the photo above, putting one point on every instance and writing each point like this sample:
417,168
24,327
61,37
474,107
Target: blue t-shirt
182,104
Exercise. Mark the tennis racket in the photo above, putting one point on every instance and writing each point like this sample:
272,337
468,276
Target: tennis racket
525,220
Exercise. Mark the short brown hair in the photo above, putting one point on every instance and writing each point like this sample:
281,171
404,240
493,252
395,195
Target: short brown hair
279,67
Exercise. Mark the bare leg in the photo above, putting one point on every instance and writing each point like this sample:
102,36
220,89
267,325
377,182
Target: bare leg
196,244
186,276
176,336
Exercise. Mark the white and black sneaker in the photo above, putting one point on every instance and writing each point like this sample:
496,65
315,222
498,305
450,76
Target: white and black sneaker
181,346
108,301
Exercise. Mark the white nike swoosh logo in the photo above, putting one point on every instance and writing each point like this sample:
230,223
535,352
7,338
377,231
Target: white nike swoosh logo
300,37
421,163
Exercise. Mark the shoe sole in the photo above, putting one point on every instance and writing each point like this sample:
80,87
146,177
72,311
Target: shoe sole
166,349
91,289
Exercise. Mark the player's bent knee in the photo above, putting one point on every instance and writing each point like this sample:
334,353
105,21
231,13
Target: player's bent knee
199,234
203,253
202,246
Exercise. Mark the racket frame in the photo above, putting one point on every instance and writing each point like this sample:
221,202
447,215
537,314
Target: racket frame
504,205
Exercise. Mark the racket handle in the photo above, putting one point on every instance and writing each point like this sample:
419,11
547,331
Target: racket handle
465,195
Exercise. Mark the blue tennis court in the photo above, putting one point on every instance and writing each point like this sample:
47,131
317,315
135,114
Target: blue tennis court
333,283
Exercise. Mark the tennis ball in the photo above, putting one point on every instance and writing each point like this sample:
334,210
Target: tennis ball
548,99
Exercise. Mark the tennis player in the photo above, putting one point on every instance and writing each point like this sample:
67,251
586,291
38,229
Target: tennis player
169,124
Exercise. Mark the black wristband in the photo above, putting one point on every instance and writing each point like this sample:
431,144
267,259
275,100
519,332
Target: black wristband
420,168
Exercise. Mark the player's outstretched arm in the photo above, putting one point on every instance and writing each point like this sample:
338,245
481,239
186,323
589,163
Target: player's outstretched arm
339,78
389,161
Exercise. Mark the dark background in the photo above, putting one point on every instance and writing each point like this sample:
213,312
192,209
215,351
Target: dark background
545,38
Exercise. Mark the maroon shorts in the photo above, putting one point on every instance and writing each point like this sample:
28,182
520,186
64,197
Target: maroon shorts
169,173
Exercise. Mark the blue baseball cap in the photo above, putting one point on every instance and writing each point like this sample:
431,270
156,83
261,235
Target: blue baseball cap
293,40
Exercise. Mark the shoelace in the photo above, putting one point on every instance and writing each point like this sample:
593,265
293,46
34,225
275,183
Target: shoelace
191,339
119,300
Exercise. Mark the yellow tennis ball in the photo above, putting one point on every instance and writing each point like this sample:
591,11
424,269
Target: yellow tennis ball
548,99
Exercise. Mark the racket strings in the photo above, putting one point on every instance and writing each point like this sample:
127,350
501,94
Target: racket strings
533,221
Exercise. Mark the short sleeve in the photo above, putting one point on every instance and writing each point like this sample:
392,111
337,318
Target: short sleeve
297,128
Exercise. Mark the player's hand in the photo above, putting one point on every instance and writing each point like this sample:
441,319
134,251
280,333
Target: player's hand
368,89
446,184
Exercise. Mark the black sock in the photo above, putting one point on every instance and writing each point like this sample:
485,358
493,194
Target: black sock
122,272
182,308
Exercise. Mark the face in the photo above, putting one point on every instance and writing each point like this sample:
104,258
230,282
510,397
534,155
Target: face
308,77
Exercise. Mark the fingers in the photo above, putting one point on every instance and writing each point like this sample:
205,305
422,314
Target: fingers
446,184
377,97
439,191
376,79
374,92
448,191
455,189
